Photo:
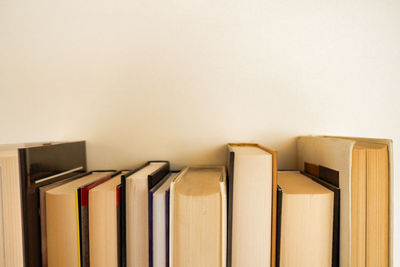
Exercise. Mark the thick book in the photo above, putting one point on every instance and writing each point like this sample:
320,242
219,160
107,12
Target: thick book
251,205
135,187
43,226
62,221
158,221
198,220
83,200
365,179
103,223
24,169
305,222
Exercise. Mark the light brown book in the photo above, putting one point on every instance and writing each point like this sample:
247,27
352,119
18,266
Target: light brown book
370,205
365,178
198,218
138,185
62,221
103,239
252,194
306,221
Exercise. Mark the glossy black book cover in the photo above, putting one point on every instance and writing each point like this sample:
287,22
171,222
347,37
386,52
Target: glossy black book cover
40,166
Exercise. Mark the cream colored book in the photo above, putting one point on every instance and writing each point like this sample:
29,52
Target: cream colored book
365,179
160,201
62,221
11,230
252,205
306,222
198,218
137,211
103,229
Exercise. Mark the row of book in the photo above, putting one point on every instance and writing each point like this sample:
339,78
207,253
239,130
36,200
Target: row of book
333,210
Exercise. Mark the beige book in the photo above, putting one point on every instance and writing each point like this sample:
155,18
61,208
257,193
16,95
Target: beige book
160,216
306,222
198,218
370,205
62,221
137,215
365,179
12,246
103,239
253,187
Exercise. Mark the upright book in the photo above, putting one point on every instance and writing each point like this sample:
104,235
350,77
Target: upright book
159,222
252,205
103,223
198,218
307,219
62,221
135,195
365,182
24,168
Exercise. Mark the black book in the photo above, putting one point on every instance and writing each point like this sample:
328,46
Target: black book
31,167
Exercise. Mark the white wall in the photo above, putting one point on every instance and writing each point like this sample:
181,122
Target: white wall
178,79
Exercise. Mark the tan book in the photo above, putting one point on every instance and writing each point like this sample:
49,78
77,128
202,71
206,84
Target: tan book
62,221
103,239
198,218
306,221
252,194
365,179
138,185
370,205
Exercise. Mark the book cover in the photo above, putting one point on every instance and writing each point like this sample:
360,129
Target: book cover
40,166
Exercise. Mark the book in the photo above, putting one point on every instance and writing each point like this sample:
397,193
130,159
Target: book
103,223
43,227
158,221
252,205
62,221
306,221
119,224
83,212
136,185
24,168
365,175
198,217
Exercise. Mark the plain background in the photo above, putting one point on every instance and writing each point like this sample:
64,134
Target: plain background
177,79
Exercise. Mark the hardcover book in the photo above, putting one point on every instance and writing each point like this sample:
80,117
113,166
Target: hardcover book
135,187
198,217
24,169
365,182
251,205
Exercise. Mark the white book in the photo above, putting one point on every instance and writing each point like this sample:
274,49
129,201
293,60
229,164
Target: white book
160,198
137,216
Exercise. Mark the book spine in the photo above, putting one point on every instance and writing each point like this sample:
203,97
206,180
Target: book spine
167,216
150,207
278,225
118,189
229,181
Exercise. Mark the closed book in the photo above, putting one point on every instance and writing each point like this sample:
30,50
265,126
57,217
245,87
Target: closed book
62,221
135,186
251,205
158,221
24,168
306,221
83,212
198,217
103,222
365,179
